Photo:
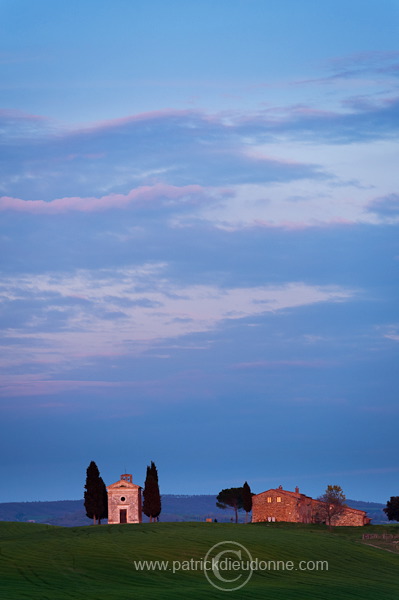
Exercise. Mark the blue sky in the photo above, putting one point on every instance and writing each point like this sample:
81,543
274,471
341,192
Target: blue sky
199,245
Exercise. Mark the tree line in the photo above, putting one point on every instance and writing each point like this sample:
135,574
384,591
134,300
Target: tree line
237,498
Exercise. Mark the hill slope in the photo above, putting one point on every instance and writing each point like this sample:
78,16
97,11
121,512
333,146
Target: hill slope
40,562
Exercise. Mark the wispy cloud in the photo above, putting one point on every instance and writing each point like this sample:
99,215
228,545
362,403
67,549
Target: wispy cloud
391,332
178,148
103,313
386,207
143,196
234,170
357,65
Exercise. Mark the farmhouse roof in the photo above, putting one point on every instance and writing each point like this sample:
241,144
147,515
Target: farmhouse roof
284,493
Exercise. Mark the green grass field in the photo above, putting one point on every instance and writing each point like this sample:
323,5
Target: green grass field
97,563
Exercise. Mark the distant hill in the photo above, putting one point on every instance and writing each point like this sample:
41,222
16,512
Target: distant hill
71,513
60,512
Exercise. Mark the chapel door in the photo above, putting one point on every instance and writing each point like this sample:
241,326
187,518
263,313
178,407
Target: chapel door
123,515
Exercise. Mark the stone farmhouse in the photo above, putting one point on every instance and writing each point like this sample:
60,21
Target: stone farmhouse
294,507
124,501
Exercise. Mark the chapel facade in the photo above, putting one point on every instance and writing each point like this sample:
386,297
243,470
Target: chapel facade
124,501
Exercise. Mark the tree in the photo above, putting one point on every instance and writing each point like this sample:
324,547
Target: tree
151,496
231,497
392,508
246,500
103,491
331,505
96,499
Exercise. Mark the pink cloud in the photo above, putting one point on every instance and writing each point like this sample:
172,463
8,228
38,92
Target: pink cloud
146,116
139,196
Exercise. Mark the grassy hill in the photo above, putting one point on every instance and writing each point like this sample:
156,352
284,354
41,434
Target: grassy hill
40,562
71,513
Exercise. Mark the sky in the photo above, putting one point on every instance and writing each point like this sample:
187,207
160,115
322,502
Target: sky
199,218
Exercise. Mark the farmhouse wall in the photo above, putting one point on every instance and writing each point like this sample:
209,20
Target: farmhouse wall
294,507
281,505
352,517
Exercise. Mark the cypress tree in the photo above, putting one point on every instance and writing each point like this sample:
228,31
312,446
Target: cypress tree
146,495
246,500
96,501
151,494
104,493
157,505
